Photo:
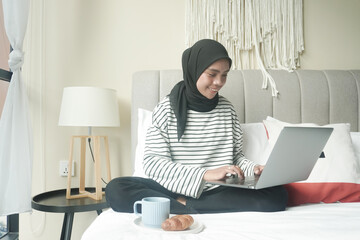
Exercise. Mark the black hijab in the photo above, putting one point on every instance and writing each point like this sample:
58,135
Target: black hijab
185,95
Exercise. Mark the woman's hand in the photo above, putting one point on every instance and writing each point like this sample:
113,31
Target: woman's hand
258,169
220,173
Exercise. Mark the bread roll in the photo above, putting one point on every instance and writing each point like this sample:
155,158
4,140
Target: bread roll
177,223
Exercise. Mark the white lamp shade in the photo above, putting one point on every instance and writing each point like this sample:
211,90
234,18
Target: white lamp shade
89,106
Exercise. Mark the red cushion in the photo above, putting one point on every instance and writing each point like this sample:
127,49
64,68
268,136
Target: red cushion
327,192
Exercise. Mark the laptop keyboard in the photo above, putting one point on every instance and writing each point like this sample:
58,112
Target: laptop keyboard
249,180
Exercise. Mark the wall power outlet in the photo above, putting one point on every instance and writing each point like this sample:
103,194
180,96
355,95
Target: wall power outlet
64,168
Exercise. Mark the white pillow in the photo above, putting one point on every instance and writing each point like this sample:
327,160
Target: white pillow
355,137
333,178
144,122
339,164
255,142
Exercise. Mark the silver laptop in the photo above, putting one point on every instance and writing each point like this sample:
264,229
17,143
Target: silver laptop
292,158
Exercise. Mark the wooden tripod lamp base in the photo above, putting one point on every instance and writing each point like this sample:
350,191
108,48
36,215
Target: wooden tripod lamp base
97,195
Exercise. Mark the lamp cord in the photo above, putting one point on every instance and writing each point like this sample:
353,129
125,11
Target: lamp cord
92,155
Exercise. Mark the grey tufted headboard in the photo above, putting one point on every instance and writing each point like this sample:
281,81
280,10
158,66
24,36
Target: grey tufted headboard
322,97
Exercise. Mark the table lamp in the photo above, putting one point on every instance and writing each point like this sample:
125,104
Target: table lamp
89,107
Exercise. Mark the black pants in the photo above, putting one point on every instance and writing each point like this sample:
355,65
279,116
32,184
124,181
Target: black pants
122,192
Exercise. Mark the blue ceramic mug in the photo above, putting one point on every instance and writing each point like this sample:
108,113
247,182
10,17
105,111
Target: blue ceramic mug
154,211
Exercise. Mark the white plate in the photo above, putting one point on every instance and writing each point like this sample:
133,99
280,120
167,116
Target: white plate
196,227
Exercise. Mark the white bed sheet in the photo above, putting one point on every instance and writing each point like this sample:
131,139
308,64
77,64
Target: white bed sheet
313,221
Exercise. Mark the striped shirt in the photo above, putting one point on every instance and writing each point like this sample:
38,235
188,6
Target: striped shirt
211,140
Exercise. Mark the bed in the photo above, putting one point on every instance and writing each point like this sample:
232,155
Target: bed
325,206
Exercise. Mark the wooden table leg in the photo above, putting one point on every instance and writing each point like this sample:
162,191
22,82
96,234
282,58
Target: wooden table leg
67,226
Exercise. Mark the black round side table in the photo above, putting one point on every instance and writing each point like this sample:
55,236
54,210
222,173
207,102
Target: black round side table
55,201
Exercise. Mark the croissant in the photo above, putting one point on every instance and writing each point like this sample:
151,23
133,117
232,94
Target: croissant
177,223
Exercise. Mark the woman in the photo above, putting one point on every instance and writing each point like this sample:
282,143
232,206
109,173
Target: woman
196,137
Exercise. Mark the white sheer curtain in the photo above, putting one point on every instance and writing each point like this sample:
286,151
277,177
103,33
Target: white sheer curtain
16,151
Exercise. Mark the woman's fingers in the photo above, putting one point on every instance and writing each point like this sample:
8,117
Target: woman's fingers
258,169
235,170
223,172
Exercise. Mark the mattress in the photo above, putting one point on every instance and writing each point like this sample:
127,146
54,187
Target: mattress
309,221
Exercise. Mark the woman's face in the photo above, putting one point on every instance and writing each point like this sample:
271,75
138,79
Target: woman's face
213,78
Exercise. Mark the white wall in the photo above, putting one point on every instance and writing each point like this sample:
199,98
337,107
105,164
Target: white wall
102,43
331,34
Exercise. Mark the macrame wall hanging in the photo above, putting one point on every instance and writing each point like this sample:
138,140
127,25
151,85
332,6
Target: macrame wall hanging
264,34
